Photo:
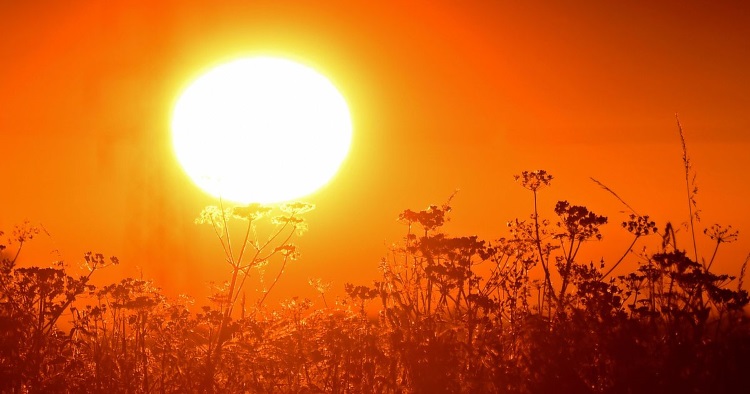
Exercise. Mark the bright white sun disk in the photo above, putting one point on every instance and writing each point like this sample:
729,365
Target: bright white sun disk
261,130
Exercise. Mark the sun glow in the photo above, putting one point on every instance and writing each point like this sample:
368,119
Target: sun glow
261,130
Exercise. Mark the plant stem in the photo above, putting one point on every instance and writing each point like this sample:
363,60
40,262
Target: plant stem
713,256
539,248
690,194
622,257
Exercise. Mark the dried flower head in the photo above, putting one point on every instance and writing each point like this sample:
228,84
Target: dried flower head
251,212
534,180
640,225
721,234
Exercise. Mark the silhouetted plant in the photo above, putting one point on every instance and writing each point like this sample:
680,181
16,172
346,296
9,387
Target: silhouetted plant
524,313
35,355
251,255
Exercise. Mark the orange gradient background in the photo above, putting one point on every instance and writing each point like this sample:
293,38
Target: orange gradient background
443,96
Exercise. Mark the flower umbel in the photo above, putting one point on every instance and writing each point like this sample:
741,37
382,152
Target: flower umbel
534,180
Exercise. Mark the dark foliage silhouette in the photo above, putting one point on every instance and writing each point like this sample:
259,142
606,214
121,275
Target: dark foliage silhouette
524,313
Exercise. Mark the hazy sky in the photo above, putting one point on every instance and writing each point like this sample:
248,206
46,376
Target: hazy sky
443,97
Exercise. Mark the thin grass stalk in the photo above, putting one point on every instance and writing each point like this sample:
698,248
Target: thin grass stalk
689,190
741,279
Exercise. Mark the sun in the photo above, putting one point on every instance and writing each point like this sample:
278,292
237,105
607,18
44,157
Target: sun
261,129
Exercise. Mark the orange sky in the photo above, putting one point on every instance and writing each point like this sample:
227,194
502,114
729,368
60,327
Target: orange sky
443,96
